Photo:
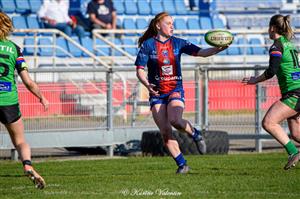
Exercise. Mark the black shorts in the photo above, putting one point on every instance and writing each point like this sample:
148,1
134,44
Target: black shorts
9,114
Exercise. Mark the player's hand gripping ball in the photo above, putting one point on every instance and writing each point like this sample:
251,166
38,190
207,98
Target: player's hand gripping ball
218,38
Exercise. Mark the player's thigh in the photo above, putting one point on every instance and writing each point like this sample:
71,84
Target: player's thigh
159,113
16,131
175,110
278,112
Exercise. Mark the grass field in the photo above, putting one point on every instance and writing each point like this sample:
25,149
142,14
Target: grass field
229,176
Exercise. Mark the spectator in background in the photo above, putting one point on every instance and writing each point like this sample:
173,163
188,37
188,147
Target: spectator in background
223,18
54,14
102,14
192,5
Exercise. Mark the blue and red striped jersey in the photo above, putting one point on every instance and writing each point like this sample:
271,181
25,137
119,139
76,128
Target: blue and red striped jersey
163,61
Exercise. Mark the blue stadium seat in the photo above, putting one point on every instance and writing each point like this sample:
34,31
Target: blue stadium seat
87,43
205,23
244,49
141,23
218,23
169,7
203,43
118,4
76,52
131,48
35,5
32,22
62,48
114,52
27,49
180,7
296,22
143,7
8,6
129,24
22,6
102,48
19,22
45,48
130,7
156,6
193,24
194,40
119,23
180,24
257,48
234,49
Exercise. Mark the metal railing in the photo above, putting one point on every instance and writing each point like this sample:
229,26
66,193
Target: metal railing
74,122
121,114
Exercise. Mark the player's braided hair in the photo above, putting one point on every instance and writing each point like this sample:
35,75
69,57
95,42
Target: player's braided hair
6,26
282,25
152,30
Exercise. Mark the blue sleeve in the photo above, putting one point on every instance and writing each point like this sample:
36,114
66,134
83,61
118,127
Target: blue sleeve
142,56
189,48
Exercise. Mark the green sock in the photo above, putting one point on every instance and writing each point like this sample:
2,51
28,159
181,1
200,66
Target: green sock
291,148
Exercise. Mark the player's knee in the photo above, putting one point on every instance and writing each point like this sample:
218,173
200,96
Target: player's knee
176,123
296,136
166,138
267,124
21,145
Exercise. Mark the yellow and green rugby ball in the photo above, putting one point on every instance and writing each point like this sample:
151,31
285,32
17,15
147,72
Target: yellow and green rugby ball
219,38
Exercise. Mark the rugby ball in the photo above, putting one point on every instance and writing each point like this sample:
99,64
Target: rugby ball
218,38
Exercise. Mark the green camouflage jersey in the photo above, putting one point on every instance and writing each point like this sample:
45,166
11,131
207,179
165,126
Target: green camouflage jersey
284,63
11,59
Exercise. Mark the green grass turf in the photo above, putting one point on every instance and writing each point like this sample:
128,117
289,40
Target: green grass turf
212,176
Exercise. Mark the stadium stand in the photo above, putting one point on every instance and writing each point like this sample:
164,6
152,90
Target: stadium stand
22,6
130,7
29,49
32,22
156,7
118,4
8,6
135,14
143,7
62,47
35,5
169,7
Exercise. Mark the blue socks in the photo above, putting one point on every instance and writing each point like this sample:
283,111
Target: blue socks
195,134
180,161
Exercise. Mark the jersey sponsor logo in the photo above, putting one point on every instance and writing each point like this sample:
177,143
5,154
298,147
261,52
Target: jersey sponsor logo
167,70
166,61
295,76
165,53
5,86
276,53
168,78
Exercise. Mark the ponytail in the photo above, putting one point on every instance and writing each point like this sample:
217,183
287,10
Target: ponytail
282,25
6,26
152,30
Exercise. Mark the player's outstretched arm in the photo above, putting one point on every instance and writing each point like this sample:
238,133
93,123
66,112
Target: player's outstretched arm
33,88
254,80
210,51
